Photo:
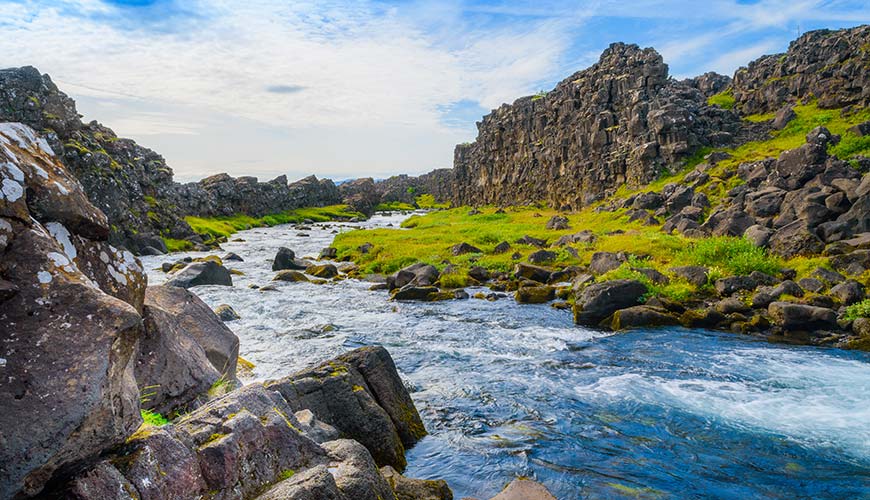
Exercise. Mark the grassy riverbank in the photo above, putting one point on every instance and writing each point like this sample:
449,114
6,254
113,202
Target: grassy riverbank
217,227
429,238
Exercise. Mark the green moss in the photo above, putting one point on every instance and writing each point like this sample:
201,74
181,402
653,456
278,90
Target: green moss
632,492
77,146
735,256
286,474
214,437
724,100
858,310
150,200
540,95
153,418
174,245
759,118
220,387
428,201
34,100
225,226
393,206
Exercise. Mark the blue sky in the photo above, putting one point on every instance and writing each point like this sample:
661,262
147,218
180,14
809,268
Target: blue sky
348,89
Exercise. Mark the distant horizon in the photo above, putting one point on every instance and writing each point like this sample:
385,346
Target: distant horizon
364,89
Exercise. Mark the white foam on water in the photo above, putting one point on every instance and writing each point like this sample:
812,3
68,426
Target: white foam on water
812,398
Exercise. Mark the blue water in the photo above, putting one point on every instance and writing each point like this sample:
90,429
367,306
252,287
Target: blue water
510,390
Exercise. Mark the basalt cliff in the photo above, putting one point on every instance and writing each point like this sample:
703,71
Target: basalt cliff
624,121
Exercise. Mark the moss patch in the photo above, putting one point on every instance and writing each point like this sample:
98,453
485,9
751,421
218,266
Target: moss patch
225,226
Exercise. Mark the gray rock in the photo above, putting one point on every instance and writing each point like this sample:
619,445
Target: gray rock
286,259
848,292
795,240
603,262
535,294
696,275
800,317
758,235
502,247
733,284
416,489
642,316
531,272
411,292
226,313
542,256
201,273
464,248
598,301
326,271
558,223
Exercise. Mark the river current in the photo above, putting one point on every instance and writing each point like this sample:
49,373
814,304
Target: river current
509,390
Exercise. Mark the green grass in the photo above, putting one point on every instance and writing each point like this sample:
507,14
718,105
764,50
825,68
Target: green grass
428,201
153,418
225,226
734,256
174,245
858,310
393,206
760,118
724,100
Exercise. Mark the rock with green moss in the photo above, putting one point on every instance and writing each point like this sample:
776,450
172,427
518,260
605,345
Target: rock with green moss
290,275
801,317
641,316
326,271
416,489
535,294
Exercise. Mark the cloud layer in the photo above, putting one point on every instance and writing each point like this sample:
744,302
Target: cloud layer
393,80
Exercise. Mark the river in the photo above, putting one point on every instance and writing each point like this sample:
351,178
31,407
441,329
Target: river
507,390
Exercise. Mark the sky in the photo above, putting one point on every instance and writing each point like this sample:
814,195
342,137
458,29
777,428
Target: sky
362,88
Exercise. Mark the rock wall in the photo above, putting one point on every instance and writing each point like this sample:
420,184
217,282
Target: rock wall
831,66
69,321
220,195
621,121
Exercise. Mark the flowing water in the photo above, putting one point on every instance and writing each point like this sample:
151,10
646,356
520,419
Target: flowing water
507,390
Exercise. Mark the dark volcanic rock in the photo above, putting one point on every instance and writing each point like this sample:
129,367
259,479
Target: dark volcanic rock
286,259
598,301
464,248
800,317
207,272
620,121
68,391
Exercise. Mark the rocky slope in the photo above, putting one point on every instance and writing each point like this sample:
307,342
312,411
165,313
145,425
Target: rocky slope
623,121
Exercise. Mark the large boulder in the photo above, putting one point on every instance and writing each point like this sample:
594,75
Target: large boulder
795,240
642,316
535,294
202,273
416,489
801,317
419,275
598,301
524,489
68,391
603,262
185,351
362,396
532,272
286,259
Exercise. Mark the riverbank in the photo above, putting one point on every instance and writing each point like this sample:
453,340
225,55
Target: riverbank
770,237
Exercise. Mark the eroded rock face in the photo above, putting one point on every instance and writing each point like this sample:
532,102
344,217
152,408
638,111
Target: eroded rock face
131,184
61,334
618,122
184,351
362,396
830,65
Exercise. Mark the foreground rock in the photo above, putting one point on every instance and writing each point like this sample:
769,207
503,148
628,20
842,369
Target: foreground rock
362,396
68,391
185,350
598,301
250,443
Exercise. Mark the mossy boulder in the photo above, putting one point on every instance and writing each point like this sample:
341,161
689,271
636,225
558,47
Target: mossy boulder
641,316
535,294
598,301
290,275
326,271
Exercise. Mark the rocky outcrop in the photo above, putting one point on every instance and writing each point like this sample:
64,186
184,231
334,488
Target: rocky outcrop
250,444
362,396
622,121
360,195
221,194
405,188
830,66
185,351
131,184
68,333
